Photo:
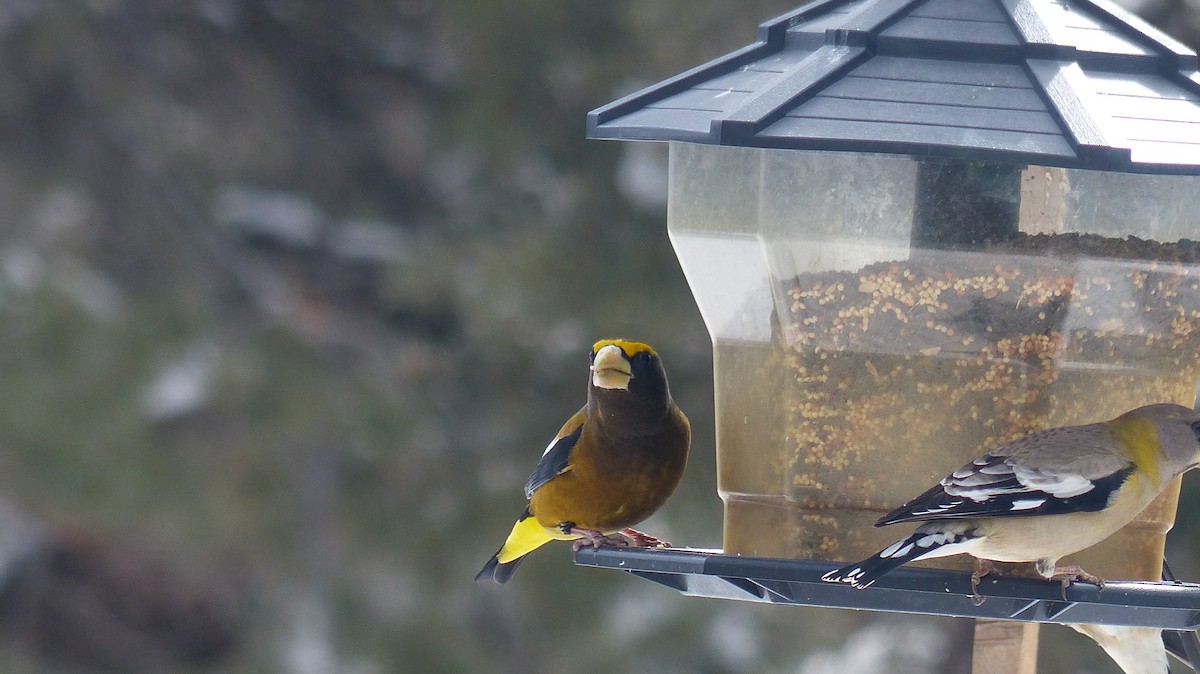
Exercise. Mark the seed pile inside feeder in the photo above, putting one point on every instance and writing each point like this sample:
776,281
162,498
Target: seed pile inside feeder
933,360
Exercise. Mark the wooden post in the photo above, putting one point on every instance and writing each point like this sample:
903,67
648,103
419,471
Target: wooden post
1005,647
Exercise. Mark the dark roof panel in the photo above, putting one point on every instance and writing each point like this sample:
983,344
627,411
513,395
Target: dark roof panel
778,63
1076,83
977,21
831,107
924,140
930,70
962,10
973,32
646,124
705,100
746,80
987,99
833,17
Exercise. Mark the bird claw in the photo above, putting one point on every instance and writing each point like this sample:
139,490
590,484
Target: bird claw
1069,574
638,539
982,568
595,539
625,538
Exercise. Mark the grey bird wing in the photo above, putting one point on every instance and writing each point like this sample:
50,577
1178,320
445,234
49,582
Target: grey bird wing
1060,470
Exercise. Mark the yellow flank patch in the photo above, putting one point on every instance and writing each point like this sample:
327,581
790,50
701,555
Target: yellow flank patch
1138,438
630,348
526,536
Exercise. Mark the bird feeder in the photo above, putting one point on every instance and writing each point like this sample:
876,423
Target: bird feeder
917,229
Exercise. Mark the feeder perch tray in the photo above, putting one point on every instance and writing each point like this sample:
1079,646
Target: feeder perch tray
1173,606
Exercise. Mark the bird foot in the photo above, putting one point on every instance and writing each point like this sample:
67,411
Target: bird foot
638,539
595,539
1073,572
982,568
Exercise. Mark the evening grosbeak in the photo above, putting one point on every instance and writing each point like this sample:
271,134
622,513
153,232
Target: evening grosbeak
613,463
1044,496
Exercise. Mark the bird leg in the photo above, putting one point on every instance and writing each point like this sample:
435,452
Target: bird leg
1073,572
593,538
1066,574
982,568
642,540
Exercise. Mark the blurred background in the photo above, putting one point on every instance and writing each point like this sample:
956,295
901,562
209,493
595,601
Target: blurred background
292,296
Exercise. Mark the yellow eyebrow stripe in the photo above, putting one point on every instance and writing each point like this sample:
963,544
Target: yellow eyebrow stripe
630,348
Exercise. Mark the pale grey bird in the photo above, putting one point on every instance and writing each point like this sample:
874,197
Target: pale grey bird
1044,496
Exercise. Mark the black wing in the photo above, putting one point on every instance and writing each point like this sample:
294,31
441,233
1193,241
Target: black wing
556,459
994,486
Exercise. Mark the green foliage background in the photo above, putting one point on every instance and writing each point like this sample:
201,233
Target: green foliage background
364,423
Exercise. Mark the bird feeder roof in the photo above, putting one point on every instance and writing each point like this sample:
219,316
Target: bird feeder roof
1071,83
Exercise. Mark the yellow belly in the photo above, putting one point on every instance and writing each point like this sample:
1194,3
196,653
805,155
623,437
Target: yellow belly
1024,539
604,505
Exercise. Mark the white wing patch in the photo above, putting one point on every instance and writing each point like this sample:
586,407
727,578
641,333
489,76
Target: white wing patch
894,550
1058,486
921,543
989,477
1002,484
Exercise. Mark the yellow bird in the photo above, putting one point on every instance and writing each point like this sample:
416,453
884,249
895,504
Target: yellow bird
612,465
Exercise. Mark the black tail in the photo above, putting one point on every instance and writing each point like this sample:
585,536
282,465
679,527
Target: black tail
921,543
497,572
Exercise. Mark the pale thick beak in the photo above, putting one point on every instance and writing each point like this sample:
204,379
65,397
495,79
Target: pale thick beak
610,368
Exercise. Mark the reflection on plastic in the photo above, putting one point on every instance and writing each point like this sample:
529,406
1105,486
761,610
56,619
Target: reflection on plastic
859,358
